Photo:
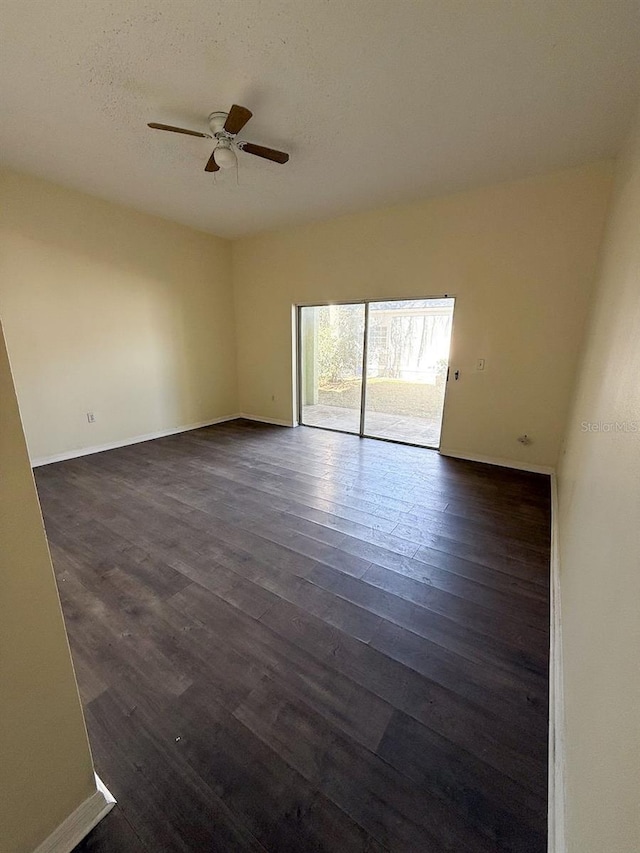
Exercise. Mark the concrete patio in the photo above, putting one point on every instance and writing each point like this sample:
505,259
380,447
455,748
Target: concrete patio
414,430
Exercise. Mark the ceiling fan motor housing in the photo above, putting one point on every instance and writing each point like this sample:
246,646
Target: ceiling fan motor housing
216,123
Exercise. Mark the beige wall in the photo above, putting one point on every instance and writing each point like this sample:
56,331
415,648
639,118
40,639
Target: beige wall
111,311
599,539
45,763
132,317
519,257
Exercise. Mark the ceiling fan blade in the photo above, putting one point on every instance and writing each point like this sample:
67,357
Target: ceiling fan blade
237,118
267,153
157,126
212,166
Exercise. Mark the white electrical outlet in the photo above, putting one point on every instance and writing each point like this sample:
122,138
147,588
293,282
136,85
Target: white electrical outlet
91,418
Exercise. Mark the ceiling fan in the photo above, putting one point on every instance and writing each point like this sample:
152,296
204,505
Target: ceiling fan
224,129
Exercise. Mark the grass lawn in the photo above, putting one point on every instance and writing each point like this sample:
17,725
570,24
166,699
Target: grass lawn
391,396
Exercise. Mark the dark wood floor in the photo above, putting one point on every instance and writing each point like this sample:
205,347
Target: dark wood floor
296,640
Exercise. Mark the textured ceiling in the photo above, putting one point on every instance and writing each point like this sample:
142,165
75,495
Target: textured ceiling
377,101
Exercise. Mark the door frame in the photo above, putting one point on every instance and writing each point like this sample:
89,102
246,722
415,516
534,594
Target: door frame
363,392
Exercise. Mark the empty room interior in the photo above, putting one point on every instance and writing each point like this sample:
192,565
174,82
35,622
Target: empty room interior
319,426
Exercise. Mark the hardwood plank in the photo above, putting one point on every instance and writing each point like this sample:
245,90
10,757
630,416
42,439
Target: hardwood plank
301,640
493,591
115,834
505,812
373,793
481,646
528,638
193,817
343,702
513,703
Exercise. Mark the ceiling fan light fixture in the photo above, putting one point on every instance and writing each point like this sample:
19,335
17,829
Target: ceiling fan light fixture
225,156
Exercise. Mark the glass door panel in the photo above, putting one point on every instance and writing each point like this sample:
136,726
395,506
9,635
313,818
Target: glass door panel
331,351
407,359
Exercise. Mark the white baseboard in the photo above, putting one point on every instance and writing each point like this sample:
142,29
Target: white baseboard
80,822
556,809
112,445
503,463
263,420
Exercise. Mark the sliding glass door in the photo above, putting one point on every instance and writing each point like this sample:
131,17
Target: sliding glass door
331,345
376,369
408,357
